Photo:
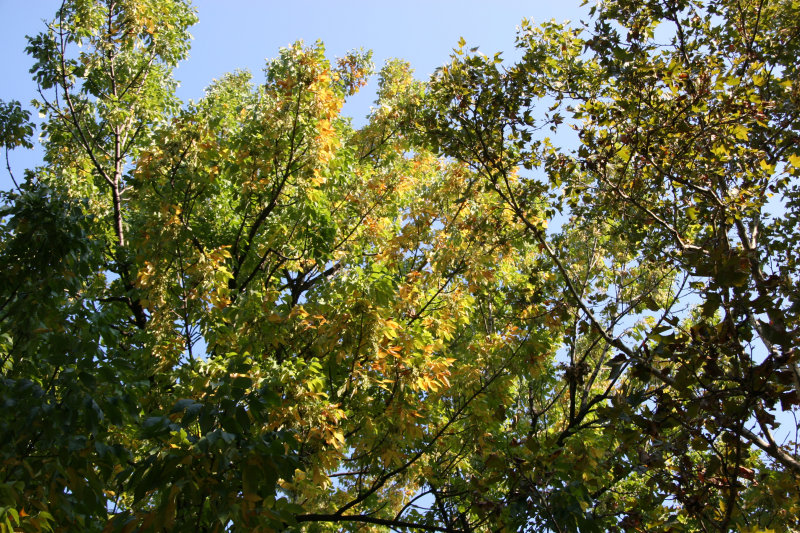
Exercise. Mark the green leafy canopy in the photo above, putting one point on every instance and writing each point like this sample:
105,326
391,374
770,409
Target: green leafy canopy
246,314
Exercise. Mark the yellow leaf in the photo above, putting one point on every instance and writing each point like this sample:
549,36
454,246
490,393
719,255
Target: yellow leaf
794,160
339,436
320,478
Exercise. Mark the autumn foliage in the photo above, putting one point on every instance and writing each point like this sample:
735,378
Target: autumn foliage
558,294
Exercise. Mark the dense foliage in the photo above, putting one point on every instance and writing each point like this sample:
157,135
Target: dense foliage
558,294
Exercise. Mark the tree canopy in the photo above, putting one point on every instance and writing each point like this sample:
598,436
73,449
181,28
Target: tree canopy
554,294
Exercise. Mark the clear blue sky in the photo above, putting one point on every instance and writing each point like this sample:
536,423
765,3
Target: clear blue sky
235,34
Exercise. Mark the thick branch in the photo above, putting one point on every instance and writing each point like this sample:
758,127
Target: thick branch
372,520
772,449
